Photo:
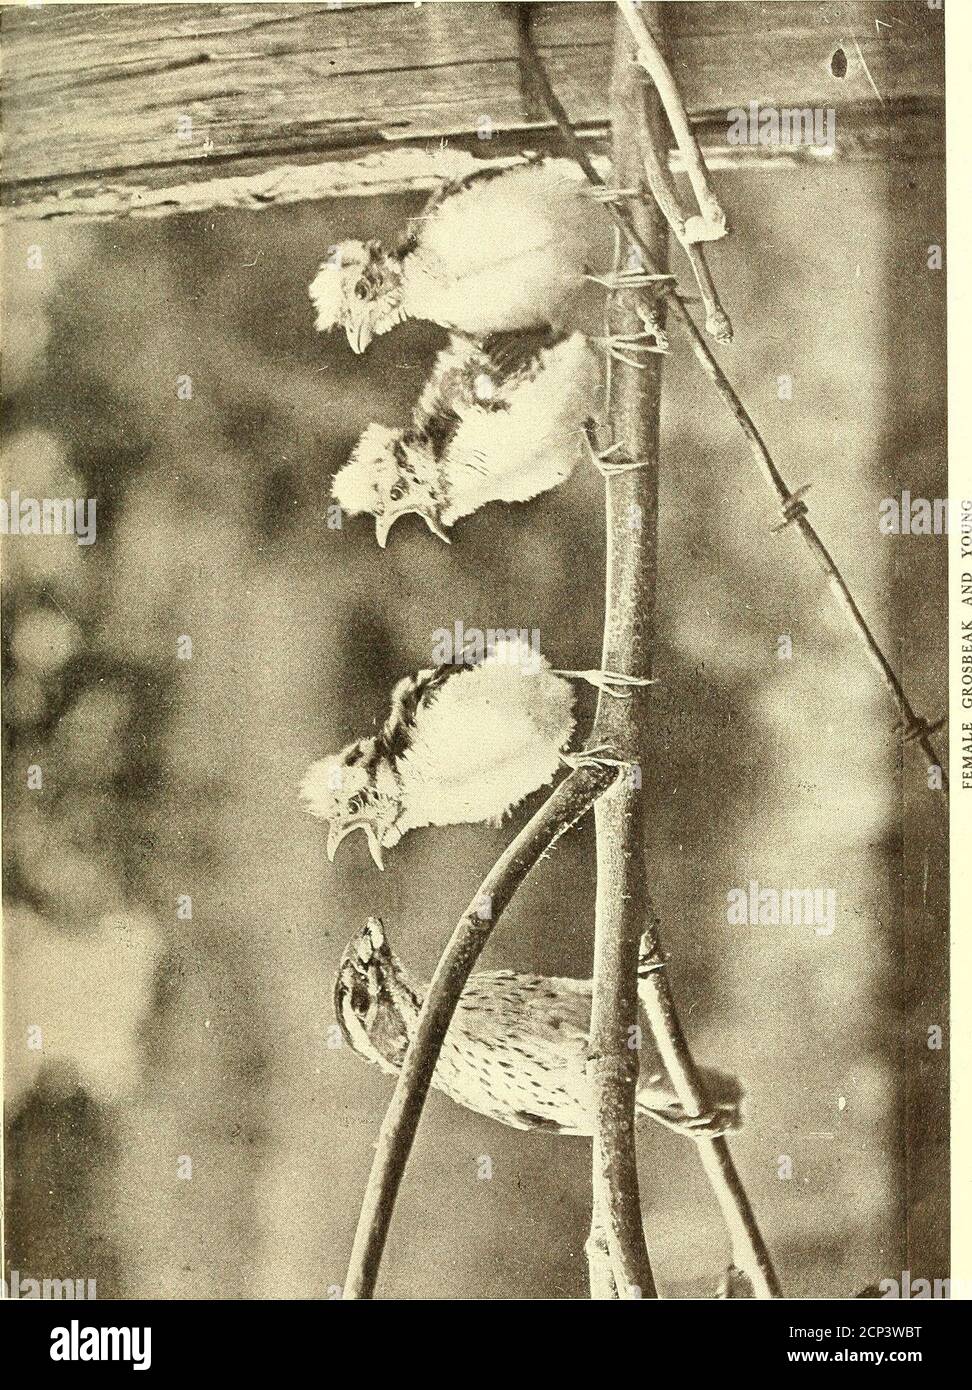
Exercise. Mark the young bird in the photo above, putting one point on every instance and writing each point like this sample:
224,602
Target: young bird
462,744
516,1049
498,421
497,250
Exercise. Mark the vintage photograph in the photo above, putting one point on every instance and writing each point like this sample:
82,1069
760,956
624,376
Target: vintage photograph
475,651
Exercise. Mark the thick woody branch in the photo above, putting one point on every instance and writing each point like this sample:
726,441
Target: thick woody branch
623,907
629,636
600,1267
565,806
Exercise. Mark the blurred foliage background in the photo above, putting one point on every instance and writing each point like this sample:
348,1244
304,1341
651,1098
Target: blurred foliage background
166,1037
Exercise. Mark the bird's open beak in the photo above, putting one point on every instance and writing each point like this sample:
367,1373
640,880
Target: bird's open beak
432,522
359,336
383,525
386,521
340,830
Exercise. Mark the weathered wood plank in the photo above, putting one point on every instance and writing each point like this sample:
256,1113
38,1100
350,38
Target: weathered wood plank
255,184
92,96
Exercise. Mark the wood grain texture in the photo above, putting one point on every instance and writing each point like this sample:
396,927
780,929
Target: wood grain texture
92,96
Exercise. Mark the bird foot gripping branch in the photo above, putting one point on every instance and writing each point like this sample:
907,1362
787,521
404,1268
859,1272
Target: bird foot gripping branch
613,683
603,193
624,346
610,467
713,1124
615,459
603,755
628,279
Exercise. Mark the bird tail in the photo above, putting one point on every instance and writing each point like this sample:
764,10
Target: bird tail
724,1091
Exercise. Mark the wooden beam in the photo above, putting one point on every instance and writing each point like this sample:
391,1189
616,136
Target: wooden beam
286,102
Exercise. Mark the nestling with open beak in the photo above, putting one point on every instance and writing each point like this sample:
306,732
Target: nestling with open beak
517,1046
499,421
424,768
498,250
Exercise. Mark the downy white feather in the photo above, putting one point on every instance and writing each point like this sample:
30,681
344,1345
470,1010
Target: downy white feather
531,445
497,251
504,252
490,736
501,421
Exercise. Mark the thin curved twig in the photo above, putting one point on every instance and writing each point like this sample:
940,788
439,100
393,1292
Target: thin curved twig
711,225
565,806
749,1252
662,186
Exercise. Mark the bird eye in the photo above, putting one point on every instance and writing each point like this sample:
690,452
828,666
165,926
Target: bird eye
397,493
361,289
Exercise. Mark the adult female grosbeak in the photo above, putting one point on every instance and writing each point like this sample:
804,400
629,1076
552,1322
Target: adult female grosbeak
516,1049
